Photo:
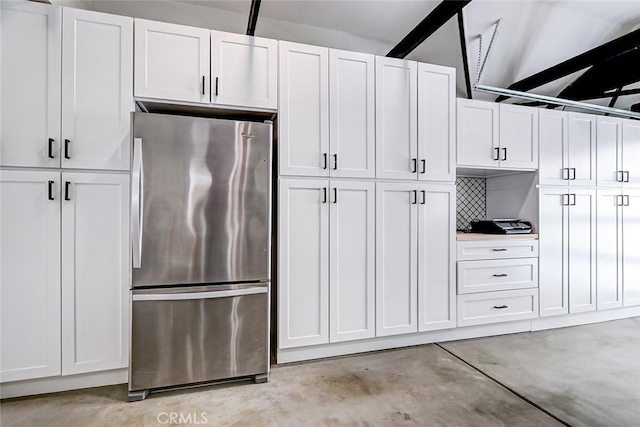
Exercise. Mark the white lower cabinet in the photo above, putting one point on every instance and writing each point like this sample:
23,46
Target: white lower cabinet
81,324
631,248
493,307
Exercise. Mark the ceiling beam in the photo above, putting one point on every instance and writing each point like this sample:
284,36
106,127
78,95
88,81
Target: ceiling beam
253,17
436,19
463,50
601,53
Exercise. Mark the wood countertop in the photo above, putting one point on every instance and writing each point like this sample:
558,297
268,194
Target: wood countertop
460,236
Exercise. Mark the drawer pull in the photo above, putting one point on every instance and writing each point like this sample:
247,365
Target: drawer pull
499,250
500,275
500,307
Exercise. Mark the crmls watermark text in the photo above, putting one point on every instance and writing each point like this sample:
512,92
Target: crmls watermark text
190,418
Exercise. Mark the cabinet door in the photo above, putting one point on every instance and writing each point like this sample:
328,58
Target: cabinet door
478,133
351,265
582,250
553,133
352,119
303,263
396,259
95,272
436,257
609,151
244,70
554,258
97,90
436,122
518,137
30,84
631,248
304,110
609,248
29,275
396,119
582,149
171,62
631,152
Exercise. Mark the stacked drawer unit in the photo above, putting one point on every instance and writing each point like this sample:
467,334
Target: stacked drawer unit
497,281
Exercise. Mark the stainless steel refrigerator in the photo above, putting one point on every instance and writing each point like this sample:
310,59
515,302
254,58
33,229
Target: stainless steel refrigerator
201,245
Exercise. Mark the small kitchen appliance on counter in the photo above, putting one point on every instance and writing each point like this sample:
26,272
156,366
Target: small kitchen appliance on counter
501,226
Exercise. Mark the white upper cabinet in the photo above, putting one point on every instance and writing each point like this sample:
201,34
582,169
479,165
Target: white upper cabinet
631,247
30,84
436,122
518,137
631,153
478,134
244,70
303,257
553,128
609,248
582,149
352,261
396,258
95,272
304,110
352,114
436,257
97,90
609,151
396,118
29,275
172,62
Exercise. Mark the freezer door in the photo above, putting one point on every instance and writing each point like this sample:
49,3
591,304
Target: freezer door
197,334
201,209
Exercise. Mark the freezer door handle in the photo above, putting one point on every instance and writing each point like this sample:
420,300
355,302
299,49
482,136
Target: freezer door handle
136,203
201,295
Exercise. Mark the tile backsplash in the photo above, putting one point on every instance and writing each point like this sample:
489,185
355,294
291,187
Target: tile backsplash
471,200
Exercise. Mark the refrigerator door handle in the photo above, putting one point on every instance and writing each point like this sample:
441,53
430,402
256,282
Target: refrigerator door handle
136,203
201,295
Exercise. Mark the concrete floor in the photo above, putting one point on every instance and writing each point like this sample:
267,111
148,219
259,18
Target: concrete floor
588,375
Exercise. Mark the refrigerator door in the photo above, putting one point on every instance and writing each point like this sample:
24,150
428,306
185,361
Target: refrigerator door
201,210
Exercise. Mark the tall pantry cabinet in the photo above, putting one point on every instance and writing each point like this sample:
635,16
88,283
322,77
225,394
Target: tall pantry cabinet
65,190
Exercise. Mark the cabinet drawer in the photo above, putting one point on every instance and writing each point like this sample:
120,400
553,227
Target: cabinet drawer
494,249
497,275
493,307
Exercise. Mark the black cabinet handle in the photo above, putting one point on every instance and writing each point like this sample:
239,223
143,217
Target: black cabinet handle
335,161
567,173
324,160
574,200
619,200
424,197
203,85
499,250
424,166
324,194
619,176
66,190
216,86
625,174
51,191
414,162
335,195
415,197
497,157
50,148
500,275
573,170
500,307
66,149
505,154
625,197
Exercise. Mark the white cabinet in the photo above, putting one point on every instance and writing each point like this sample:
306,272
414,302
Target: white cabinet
30,77
436,122
518,137
581,149
351,261
303,263
95,272
352,114
567,251
618,157
172,62
244,70
436,257
494,307
97,90
478,133
29,274
396,118
396,258
304,110
553,128
630,247
609,249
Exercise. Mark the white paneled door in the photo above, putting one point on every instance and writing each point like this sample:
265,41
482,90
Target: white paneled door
631,247
582,149
29,275
553,134
303,263
304,109
172,62
609,248
352,257
582,250
30,76
244,70
436,257
396,119
396,258
518,137
609,152
352,114
478,133
436,122
97,90
95,272
631,152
